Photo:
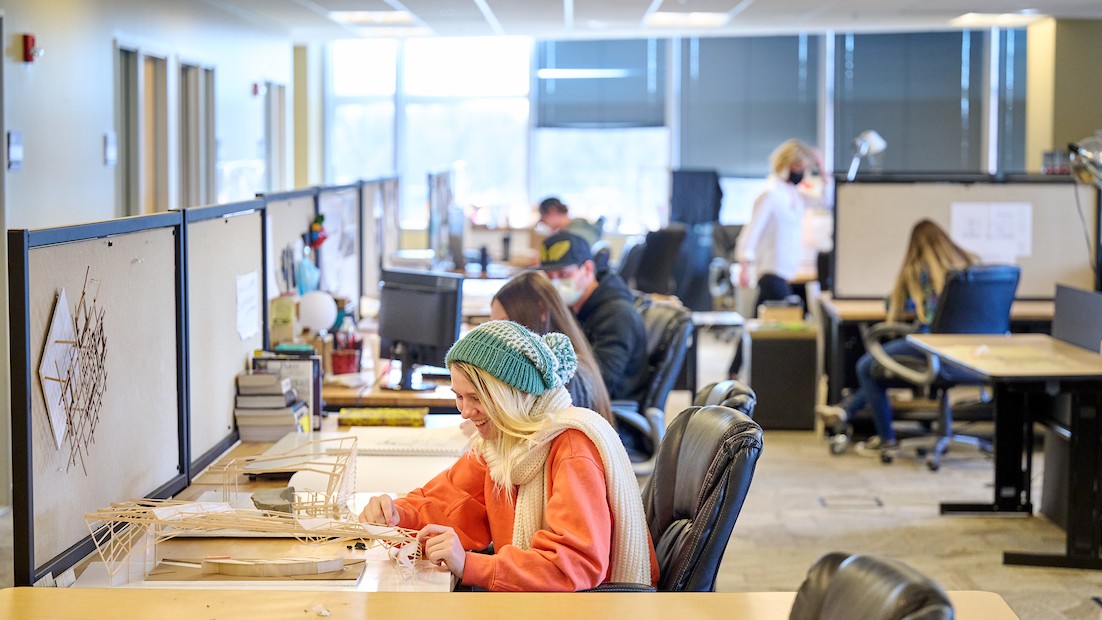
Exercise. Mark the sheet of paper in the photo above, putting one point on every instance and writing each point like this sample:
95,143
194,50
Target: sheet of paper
53,370
248,305
999,232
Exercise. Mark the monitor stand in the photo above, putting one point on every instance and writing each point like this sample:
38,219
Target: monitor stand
411,380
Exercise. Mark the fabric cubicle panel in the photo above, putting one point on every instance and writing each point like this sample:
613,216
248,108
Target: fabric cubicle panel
873,221
130,271
288,216
225,250
339,256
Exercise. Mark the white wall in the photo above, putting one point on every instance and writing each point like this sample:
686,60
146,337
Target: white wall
65,101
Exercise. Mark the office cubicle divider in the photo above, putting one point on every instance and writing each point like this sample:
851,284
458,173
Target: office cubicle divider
227,315
124,432
288,216
1032,220
377,198
339,257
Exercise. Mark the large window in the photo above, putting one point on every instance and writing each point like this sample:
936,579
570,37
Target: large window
361,120
742,97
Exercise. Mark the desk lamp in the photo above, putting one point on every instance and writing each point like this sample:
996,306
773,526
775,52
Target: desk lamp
1086,160
867,143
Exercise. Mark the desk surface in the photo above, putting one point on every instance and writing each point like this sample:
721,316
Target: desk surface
78,604
864,310
1014,356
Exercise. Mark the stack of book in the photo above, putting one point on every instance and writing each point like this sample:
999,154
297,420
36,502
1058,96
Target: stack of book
268,408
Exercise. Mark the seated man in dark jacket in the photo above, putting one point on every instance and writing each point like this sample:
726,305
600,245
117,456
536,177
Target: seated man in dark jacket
605,309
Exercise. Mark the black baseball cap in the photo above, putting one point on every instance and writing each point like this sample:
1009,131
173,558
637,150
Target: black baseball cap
563,249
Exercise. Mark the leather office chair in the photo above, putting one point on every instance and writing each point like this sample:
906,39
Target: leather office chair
846,586
668,328
976,300
659,260
601,252
630,260
729,393
701,476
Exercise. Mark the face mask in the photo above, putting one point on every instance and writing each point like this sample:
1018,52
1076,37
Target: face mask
795,177
568,292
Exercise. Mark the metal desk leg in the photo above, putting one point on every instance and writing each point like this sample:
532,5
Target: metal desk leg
1084,534
1013,435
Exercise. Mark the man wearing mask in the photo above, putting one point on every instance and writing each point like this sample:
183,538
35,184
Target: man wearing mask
605,309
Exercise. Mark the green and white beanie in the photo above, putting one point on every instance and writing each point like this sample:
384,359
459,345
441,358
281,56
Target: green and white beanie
517,356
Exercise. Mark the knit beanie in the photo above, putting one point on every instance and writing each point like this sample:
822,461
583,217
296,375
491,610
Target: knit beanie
517,356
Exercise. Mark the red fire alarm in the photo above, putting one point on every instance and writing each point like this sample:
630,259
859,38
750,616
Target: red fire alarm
30,52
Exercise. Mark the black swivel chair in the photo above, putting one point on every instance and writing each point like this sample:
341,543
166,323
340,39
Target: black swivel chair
701,477
629,262
659,261
976,300
729,393
842,586
668,328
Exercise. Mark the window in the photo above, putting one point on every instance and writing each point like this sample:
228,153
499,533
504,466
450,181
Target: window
361,119
196,135
744,96
923,92
275,136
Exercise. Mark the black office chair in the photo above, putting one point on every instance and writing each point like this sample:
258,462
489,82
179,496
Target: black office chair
629,262
602,253
729,393
659,260
668,328
701,477
843,586
976,300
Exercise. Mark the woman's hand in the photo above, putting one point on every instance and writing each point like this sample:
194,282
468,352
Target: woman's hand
380,510
442,547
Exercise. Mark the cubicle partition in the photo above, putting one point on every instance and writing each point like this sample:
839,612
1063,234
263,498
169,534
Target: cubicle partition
226,317
1047,225
339,256
98,378
377,197
288,216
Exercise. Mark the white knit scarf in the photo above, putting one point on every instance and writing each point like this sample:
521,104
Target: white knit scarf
630,551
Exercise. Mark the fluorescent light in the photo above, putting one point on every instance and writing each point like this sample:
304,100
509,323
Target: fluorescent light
373,18
581,74
393,32
992,20
695,19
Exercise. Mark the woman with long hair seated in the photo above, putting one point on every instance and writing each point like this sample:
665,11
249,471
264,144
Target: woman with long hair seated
531,300
548,485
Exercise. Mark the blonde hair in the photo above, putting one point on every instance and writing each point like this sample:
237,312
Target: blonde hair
932,252
513,413
788,153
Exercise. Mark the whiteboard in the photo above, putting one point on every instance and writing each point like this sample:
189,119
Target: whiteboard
873,223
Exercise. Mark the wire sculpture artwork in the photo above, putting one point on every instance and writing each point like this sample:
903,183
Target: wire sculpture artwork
73,371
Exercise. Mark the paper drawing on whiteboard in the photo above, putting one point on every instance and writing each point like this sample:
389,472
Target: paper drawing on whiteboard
998,232
73,372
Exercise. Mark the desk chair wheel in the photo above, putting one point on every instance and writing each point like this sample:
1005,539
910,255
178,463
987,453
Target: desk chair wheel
933,464
839,443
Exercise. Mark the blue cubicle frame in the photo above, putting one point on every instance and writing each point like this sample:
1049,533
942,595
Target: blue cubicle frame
199,214
20,242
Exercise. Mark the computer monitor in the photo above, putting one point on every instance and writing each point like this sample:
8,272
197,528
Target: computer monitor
419,318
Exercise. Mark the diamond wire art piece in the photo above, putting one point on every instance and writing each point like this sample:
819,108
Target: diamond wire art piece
73,371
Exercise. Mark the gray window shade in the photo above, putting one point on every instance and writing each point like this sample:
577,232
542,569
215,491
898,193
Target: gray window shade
602,83
922,92
1012,95
741,97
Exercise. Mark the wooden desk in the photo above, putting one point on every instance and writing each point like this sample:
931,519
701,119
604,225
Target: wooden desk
440,400
80,604
842,320
1025,370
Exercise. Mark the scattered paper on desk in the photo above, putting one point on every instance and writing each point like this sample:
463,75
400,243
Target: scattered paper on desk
248,305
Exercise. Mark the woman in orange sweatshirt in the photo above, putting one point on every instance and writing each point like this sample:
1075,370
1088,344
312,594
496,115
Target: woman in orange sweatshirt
547,484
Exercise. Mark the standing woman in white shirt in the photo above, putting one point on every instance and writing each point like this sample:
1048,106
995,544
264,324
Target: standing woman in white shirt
772,241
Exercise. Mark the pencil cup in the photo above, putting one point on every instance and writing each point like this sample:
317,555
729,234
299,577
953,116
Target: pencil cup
345,361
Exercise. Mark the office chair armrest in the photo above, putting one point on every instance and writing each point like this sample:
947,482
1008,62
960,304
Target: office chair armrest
874,336
657,420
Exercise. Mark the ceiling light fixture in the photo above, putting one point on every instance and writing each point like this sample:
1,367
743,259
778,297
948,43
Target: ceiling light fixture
372,18
695,19
1019,19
